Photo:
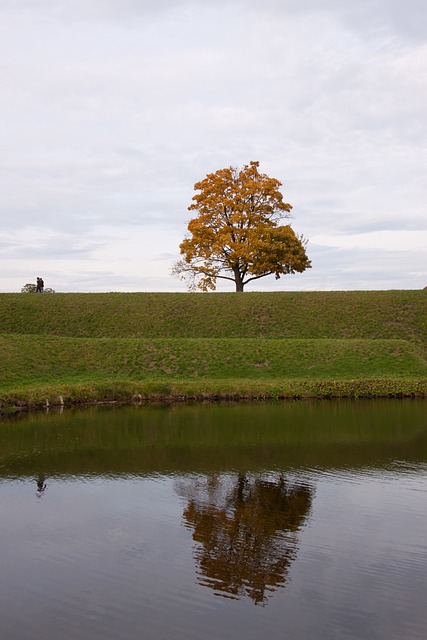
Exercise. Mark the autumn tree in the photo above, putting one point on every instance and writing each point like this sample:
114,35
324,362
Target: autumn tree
246,535
237,234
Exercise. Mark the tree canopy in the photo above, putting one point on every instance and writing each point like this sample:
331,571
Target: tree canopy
246,545
237,233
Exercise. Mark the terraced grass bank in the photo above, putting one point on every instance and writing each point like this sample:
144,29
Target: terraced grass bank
69,348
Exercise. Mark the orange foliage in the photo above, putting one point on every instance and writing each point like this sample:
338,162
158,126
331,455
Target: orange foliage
237,233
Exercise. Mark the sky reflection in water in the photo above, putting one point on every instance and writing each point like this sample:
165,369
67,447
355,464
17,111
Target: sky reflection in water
123,523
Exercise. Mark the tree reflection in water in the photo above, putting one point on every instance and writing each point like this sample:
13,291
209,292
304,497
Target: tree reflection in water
245,529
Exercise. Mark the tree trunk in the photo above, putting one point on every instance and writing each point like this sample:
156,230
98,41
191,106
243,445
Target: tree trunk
239,287
238,280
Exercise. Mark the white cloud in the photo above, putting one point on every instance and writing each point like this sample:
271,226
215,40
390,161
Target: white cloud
111,111
395,240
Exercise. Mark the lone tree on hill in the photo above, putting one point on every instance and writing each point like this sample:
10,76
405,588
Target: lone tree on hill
237,233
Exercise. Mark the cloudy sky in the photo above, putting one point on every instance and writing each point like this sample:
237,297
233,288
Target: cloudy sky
111,110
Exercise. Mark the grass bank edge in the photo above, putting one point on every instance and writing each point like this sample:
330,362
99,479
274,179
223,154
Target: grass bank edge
31,361
131,392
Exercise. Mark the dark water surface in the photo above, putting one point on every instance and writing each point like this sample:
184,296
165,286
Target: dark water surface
303,520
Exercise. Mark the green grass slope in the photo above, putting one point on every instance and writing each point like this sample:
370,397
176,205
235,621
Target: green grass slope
331,314
118,345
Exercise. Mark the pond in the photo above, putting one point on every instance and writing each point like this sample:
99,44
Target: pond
299,520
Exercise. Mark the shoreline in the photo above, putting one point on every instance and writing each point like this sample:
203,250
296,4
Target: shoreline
177,392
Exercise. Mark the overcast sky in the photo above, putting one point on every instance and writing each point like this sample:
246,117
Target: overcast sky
111,110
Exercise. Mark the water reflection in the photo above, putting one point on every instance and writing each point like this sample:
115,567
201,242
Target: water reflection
317,509
208,439
41,485
245,529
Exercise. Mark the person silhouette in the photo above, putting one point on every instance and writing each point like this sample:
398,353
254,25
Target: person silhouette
41,484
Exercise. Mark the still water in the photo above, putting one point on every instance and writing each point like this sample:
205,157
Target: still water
303,520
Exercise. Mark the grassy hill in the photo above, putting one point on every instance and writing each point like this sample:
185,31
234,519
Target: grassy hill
334,314
123,345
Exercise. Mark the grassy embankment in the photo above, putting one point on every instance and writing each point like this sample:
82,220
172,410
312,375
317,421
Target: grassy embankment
124,346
